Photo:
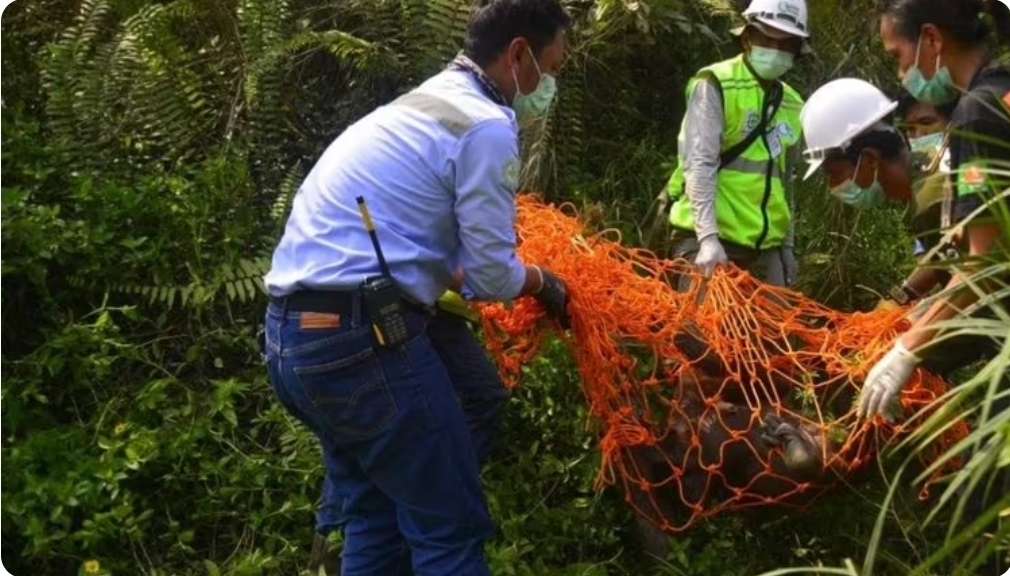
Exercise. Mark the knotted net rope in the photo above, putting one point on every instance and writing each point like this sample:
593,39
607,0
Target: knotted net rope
729,395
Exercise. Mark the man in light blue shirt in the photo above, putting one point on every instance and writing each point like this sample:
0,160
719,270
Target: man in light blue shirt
402,426
443,200
439,170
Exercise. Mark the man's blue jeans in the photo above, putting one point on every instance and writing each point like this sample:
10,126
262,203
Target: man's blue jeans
402,474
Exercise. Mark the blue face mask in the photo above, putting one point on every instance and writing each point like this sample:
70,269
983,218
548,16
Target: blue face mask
938,90
851,193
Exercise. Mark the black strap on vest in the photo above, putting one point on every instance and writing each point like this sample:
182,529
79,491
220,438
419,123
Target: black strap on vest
771,108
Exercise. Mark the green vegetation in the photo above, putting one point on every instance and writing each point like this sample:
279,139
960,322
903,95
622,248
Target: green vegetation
150,151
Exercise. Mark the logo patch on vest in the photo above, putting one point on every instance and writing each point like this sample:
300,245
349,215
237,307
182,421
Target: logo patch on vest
753,119
779,138
973,179
786,133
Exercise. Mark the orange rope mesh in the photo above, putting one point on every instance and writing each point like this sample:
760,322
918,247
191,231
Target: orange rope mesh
702,395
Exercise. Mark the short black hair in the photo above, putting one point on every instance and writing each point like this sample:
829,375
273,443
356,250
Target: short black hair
970,22
882,136
906,101
495,23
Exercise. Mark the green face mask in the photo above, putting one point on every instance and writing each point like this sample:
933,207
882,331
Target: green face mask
855,195
769,63
938,90
930,143
927,174
925,150
534,106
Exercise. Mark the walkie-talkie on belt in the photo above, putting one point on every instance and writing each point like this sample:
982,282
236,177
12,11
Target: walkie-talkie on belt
382,296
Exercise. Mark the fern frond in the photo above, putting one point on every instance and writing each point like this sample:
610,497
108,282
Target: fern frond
60,75
263,25
285,195
434,33
143,88
240,282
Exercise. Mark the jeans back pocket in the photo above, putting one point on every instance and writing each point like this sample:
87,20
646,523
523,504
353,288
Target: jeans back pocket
350,394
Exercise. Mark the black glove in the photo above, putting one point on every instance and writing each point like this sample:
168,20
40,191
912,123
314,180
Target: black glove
553,295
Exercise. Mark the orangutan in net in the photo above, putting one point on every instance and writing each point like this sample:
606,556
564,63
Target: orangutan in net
711,451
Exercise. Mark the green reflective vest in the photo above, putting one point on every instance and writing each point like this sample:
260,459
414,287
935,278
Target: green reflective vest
751,206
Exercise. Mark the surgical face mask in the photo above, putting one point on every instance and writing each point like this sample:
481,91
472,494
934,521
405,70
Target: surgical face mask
533,106
929,143
938,90
851,193
926,149
769,63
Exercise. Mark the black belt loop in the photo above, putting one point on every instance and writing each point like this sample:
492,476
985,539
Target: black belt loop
281,303
356,310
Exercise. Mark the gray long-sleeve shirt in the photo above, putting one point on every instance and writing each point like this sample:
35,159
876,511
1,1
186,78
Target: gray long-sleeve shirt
700,153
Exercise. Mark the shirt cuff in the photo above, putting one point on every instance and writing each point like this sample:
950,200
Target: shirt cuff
510,289
703,209
516,281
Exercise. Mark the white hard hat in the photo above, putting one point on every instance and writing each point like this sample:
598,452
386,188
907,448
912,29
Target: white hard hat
789,16
838,112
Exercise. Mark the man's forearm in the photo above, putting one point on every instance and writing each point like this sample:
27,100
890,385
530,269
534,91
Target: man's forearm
925,329
959,294
701,191
924,279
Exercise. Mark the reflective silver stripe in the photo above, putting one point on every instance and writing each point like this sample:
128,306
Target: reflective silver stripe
441,110
753,167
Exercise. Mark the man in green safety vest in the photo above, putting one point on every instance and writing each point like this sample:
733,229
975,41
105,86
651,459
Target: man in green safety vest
738,145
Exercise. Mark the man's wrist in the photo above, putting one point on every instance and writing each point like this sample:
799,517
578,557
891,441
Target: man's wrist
540,280
534,282
911,291
905,347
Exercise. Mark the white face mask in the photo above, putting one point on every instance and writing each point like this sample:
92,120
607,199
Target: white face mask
535,105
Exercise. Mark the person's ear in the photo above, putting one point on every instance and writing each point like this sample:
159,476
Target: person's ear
795,45
514,53
745,42
895,177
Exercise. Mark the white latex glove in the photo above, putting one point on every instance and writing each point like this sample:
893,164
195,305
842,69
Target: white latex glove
710,255
886,380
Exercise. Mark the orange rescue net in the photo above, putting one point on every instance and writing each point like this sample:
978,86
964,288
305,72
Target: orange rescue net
729,395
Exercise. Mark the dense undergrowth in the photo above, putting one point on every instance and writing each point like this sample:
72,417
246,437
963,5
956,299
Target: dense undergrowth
150,150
